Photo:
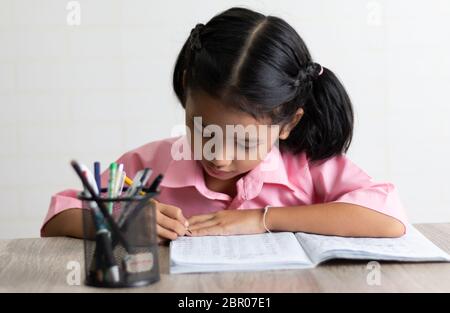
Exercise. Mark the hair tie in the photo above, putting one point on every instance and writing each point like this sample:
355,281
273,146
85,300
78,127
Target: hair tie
194,38
311,72
314,70
321,70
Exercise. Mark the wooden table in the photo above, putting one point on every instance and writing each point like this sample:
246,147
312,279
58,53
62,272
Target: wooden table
40,265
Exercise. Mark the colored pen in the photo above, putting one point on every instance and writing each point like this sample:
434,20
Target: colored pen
136,185
97,175
130,182
114,228
122,181
106,266
154,186
111,268
112,179
128,215
138,182
118,180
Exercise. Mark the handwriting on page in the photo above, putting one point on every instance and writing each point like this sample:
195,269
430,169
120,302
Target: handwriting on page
413,245
237,249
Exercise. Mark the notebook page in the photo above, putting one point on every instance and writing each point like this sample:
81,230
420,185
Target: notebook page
411,247
244,249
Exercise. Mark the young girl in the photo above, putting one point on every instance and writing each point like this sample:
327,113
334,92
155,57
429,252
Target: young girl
243,68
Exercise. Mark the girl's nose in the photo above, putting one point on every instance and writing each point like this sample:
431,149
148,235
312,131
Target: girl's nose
221,163
220,158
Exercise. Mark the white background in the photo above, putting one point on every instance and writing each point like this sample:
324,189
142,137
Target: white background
95,90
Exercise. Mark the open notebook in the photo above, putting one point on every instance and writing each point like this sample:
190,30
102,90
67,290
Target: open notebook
293,250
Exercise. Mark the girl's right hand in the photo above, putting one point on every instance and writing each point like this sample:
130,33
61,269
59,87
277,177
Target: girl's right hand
170,222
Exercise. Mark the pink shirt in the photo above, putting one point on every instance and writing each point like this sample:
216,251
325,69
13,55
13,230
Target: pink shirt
282,179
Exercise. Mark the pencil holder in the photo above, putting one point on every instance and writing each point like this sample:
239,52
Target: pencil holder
121,247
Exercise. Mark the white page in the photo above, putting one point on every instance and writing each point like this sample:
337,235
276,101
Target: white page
411,247
257,249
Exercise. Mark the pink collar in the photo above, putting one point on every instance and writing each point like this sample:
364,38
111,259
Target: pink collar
184,173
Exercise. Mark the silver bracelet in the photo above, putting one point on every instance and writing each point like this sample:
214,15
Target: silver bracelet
266,208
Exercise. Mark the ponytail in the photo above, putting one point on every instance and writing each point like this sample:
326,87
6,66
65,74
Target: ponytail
326,127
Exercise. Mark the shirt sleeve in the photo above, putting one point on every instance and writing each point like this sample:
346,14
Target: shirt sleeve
340,180
67,199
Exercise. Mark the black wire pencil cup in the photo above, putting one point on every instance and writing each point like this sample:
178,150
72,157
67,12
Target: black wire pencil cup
120,239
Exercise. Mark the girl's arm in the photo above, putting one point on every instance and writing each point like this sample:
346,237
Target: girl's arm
67,223
333,218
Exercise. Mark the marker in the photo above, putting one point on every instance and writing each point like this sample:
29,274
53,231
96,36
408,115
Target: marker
90,178
136,185
154,186
114,228
112,180
98,179
122,182
128,181
103,240
106,266
128,214
118,180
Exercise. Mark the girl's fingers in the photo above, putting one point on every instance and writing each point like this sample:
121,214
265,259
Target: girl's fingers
200,218
165,233
215,230
205,224
173,212
170,224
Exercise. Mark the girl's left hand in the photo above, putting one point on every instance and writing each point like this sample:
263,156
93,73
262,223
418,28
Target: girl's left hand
227,222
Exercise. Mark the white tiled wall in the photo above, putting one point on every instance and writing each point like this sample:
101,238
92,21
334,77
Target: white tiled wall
95,90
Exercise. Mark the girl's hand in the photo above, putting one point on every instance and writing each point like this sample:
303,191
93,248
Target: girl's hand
227,222
170,222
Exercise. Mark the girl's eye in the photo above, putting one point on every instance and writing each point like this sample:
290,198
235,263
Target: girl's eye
247,146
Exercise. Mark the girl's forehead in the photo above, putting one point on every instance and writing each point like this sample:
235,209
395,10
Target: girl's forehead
216,111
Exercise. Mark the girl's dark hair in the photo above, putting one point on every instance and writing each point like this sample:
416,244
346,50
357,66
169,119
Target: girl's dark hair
260,65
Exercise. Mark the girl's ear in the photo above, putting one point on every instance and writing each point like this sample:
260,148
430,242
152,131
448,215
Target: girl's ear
287,128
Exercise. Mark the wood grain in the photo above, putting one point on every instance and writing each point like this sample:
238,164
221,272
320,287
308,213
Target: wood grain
39,265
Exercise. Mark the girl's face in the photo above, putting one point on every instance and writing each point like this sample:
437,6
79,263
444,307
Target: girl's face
227,142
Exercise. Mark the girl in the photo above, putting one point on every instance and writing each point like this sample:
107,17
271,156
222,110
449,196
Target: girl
246,69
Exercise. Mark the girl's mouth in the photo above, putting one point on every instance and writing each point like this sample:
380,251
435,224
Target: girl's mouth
213,171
